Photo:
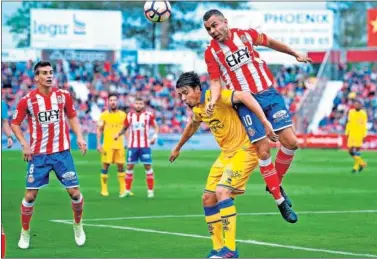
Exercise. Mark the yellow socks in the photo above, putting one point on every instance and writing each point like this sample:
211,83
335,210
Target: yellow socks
215,226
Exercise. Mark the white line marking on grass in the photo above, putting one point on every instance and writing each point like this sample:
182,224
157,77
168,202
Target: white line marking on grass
254,242
239,214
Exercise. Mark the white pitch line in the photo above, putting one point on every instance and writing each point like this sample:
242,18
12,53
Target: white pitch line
238,214
254,242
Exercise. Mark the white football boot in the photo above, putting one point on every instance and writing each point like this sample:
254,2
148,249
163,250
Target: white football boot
150,194
24,241
80,236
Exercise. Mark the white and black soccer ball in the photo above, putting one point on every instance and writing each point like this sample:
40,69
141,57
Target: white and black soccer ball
157,11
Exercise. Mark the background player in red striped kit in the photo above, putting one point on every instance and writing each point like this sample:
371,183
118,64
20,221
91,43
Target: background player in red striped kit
46,108
232,60
139,122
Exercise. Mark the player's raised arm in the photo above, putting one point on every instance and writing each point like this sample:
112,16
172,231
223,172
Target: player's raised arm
190,129
262,39
249,101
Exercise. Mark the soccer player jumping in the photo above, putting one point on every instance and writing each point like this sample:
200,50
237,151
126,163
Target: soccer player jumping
232,60
46,108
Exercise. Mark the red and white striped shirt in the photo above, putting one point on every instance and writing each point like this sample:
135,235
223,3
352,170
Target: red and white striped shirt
236,62
139,124
48,127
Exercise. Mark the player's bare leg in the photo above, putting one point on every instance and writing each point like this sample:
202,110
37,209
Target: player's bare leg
27,208
272,180
121,179
104,179
129,179
149,179
77,207
213,220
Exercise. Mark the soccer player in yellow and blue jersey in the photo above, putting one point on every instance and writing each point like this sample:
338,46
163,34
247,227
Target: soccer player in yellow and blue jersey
230,172
112,151
356,131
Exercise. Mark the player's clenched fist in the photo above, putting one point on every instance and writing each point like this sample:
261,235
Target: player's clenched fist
99,148
173,155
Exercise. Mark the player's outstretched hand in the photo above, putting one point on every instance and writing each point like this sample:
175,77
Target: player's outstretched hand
99,148
10,143
210,107
173,155
270,132
303,58
26,150
153,140
82,145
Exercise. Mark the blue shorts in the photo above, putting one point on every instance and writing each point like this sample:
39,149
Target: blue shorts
275,110
144,154
61,163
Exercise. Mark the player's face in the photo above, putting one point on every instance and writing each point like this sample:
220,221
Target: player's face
217,28
113,103
190,96
358,105
44,77
139,105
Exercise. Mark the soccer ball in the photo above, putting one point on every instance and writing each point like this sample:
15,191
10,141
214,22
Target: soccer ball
157,11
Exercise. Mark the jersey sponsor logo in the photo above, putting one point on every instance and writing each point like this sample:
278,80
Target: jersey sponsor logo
48,117
238,58
280,115
69,175
215,125
138,125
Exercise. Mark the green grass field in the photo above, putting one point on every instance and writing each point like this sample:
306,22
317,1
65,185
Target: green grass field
337,211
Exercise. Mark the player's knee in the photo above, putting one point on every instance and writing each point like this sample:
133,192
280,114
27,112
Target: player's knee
130,167
120,168
74,193
263,149
30,196
223,193
209,199
292,144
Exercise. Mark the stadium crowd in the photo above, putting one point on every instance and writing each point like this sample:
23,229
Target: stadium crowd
357,84
102,78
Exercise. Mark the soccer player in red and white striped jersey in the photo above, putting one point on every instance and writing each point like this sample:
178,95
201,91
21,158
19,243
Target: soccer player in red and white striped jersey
139,123
46,109
232,60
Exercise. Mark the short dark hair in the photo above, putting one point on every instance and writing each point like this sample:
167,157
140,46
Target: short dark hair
41,64
211,12
112,94
190,79
139,98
